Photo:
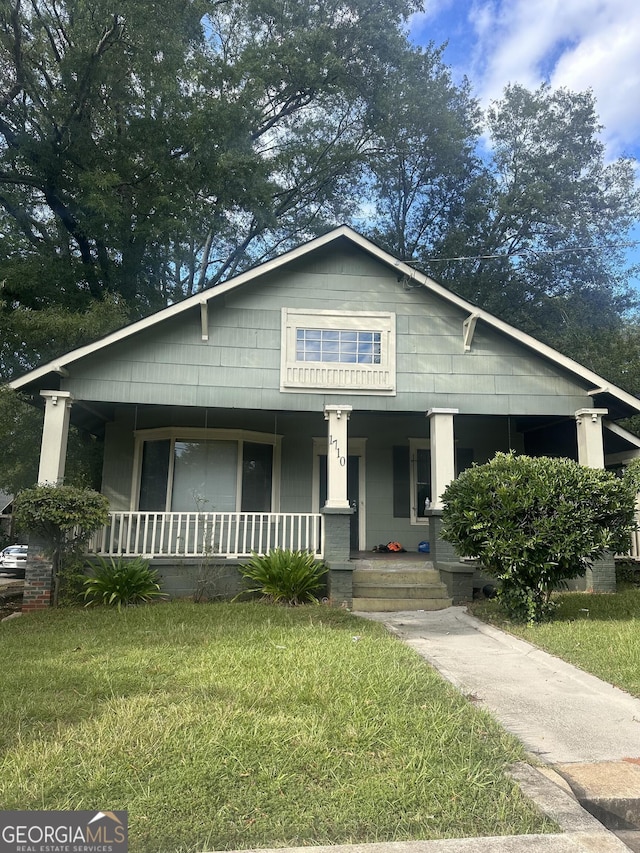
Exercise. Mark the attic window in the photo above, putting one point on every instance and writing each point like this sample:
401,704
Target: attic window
339,351
338,345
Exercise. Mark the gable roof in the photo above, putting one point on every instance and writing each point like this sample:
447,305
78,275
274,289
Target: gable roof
608,394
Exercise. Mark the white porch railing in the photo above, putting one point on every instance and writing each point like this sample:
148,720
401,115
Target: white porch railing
634,552
199,534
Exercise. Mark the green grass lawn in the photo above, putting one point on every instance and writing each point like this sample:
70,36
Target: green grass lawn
600,633
228,726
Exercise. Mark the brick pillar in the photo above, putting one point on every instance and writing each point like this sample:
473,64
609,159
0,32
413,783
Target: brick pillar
457,576
337,537
440,550
601,577
38,579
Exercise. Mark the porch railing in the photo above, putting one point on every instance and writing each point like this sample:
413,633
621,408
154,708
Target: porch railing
199,534
634,552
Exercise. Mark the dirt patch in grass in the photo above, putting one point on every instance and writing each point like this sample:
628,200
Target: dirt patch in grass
10,603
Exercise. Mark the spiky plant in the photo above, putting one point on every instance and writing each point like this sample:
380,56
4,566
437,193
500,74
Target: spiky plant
118,583
285,576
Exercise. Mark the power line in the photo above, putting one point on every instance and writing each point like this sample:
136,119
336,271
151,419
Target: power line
627,245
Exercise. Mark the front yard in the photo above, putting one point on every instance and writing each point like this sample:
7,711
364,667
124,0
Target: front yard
231,726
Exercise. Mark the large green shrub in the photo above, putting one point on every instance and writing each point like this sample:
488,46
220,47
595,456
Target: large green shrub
284,576
118,583
62,518
533,522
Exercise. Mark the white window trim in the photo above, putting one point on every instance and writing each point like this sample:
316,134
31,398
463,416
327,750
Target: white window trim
338,377
189,434
416,444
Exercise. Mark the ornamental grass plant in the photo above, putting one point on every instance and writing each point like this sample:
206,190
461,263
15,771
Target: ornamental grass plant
121,583
283,576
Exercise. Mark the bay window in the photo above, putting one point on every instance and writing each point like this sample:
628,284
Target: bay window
205,471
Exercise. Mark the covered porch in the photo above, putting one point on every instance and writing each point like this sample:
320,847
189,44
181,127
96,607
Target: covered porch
188,484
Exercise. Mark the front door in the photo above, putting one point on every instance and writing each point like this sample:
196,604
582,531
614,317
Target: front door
353,494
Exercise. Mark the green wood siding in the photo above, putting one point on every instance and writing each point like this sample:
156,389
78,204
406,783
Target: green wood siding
239,366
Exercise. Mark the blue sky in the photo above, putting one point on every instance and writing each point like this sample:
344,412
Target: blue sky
579,44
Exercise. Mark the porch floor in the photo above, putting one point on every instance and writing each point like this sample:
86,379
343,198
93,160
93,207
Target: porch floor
391,556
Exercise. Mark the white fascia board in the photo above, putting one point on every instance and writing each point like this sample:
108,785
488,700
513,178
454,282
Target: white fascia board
403,269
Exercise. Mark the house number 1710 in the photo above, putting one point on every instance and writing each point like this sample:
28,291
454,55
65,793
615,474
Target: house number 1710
341,458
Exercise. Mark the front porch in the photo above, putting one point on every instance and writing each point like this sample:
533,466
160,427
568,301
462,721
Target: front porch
198,500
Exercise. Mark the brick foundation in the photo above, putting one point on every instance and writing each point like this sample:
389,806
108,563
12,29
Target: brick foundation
601,577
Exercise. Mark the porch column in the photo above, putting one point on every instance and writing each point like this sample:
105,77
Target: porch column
55,432
336,511
443,456
590,440
337,453
601,575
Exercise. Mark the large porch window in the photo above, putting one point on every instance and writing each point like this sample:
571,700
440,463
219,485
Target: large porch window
205,471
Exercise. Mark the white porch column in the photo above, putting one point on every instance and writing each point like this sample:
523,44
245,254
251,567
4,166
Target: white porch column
337,454
55,432
590,439
443,454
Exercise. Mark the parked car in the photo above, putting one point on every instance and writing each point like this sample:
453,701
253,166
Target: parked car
13,560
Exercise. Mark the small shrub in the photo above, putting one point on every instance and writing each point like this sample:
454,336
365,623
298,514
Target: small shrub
283,576
71,577
63,518
118,583
533,522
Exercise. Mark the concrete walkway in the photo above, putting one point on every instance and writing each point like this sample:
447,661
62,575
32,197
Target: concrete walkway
586,732
561,714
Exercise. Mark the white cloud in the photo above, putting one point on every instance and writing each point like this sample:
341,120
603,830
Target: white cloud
579,44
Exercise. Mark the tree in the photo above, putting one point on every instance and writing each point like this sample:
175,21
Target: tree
545,220
533,522
150,156
423,159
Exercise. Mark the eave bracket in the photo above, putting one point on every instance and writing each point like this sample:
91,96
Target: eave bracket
468,329
204,319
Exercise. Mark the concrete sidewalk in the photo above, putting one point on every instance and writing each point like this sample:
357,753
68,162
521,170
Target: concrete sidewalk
586,732
562,714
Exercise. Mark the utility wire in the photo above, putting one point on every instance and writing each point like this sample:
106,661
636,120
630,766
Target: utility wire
630,244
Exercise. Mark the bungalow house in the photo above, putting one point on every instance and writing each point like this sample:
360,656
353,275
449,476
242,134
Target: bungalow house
322,400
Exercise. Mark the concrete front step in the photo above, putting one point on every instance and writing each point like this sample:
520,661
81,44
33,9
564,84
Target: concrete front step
389,605
405,576
404,590
398,584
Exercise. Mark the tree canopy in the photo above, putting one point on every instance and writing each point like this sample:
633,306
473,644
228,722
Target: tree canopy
542,235
149,151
